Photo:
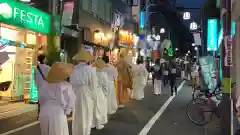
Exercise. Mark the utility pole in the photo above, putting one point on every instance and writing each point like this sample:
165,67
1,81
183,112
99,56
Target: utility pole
225,106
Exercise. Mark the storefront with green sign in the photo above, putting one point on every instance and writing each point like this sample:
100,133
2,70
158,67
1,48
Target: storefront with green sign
23,33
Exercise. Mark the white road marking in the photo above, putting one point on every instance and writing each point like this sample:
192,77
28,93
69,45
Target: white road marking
153,120
20,128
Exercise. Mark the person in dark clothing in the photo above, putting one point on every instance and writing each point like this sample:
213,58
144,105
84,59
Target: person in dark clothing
165,73
157,75
172,77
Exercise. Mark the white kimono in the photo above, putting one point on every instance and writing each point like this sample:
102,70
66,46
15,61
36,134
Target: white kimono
140,76
112,100
101,97
83,82
56,101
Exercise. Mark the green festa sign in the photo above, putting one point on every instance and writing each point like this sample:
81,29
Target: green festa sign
23,16
33,90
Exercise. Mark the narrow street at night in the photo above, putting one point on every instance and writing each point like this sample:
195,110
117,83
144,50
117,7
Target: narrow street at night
119,67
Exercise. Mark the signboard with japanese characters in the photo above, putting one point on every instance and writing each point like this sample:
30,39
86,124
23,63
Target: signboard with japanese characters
228,51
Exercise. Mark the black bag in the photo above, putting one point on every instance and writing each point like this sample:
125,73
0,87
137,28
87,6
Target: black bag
40,71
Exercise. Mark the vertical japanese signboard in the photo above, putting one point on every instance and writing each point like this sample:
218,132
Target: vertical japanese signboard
212,32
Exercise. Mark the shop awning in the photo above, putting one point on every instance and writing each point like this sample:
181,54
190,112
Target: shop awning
95,45
69,32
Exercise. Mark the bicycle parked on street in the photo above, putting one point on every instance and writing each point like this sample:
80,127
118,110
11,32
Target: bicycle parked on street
201,109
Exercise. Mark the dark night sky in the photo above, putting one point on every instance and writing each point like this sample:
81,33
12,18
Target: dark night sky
195,14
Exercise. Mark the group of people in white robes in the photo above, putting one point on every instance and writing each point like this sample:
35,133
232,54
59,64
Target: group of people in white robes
86,89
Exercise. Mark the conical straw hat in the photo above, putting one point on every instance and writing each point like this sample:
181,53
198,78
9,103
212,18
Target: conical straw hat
99,63
59,72
83,56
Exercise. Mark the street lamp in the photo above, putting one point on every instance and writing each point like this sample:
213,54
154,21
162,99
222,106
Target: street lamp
149,38
162,30
197,51
188,51
193,44
193,26
176,49
158,37
186,16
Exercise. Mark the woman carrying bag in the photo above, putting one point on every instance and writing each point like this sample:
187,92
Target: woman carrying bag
57,100
40,73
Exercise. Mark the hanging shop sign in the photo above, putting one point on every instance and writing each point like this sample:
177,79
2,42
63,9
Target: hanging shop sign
101,39
126,38
142,20
67,13
228,51
33,89
23,16
212,34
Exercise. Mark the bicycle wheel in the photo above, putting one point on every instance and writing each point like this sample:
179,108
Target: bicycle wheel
219,95
199,112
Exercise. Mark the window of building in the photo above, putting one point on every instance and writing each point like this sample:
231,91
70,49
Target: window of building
87,5
107,11
111,13
101,9
135,2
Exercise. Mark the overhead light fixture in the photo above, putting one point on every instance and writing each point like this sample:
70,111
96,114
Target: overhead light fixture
158,37
25,1
186,15
193,26
162,30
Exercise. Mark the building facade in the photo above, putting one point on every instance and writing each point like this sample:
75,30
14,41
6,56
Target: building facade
97,22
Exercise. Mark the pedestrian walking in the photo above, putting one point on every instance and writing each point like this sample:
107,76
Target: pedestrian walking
158,76
140,76
83,80
57,100
124,81
101,95
165,73
173,76
40,73
112,76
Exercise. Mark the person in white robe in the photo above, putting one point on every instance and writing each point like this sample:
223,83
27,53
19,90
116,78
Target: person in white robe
57,100
140,75
101,95
40,73
112,76
40,77
84,84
